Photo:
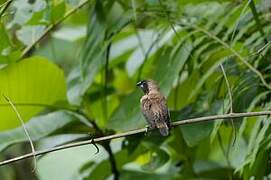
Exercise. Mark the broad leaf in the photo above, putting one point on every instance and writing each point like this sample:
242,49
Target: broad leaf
30,84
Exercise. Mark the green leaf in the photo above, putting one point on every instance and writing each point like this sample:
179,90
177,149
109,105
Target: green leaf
31,84
5,44
37,128
92,58
194,133
158,158
4,40
170,64
128,115
38,18
58,11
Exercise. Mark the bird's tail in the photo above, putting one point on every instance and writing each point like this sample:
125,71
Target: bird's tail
163,128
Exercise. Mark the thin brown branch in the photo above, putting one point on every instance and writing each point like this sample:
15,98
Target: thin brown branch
52,26
261,49
228,87
133,132
24,128
231,101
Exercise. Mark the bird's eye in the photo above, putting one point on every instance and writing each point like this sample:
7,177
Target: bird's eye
142,85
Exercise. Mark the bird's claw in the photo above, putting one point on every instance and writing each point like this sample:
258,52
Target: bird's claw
148,128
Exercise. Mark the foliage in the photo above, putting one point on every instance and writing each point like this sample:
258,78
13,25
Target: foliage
100,49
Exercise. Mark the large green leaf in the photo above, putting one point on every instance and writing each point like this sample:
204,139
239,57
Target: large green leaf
128,115
157,159
30,84
37,128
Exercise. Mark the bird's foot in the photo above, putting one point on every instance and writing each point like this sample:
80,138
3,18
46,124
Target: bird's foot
148,129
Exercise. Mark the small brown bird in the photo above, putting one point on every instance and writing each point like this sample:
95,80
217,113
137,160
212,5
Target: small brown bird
154,107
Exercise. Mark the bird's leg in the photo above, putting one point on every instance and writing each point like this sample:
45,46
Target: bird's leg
149,128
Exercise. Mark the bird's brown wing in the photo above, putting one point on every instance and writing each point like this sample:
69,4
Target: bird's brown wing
146,110
155,111
166,115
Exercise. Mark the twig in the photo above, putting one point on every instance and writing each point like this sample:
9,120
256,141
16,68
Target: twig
228,87
231,101
261,49
24,128
51,27
136,131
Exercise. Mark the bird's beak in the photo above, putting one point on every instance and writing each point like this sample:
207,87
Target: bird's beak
138,84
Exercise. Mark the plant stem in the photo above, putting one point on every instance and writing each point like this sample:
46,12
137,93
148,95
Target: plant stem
136,131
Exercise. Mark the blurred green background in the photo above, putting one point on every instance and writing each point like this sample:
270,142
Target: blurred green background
70,67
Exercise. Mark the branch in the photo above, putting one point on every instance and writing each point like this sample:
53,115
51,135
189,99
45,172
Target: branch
228,87
231,101
52,26
133,132
24,128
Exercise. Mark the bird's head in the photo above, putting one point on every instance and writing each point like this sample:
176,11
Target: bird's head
147,86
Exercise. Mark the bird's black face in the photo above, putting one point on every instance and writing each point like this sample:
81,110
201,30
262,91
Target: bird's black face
144,86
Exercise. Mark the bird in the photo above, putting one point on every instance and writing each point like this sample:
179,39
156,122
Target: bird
154,107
